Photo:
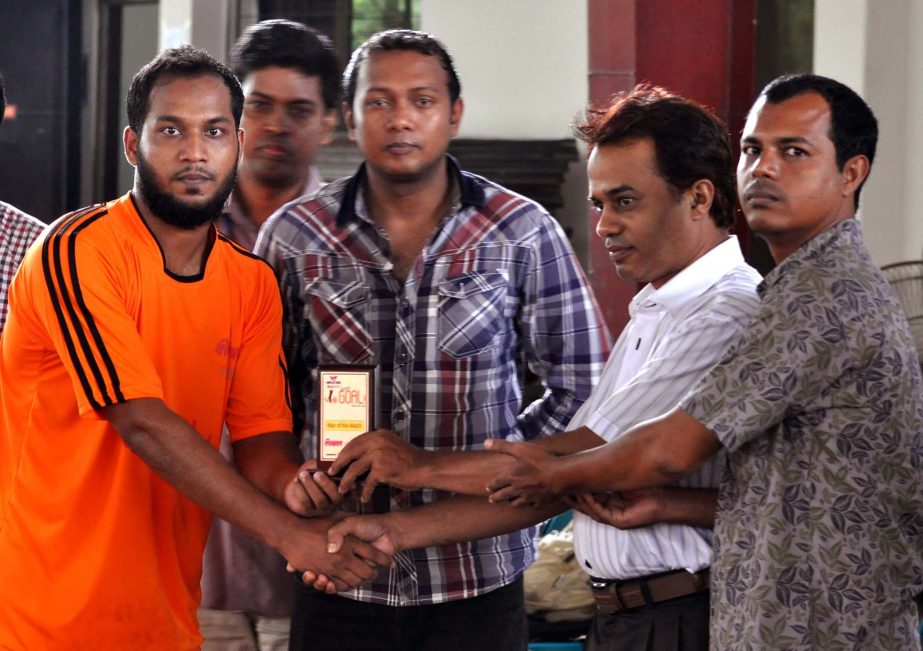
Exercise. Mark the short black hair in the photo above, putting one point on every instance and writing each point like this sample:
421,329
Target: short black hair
399,39
853,126
2,100
287,44
181,62
690,143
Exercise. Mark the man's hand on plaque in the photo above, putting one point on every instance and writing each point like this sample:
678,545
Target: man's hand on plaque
312,492
383,457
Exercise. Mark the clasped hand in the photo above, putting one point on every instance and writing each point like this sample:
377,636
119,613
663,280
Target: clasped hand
531,482
314,494
379,457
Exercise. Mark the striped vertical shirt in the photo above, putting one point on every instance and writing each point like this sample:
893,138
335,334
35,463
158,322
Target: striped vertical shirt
17,231
496,285
676,333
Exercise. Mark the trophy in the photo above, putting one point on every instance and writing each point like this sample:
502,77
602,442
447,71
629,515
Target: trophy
346,407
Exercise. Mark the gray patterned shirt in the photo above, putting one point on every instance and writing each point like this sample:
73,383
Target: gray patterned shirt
819,536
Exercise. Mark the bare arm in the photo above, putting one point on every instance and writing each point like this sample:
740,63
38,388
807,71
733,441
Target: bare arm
186,461
653,453
273,462
270,461
456,519
631,509
389,459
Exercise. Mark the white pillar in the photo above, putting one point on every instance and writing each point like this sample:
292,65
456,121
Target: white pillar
203,23
524,73
873,46
522,63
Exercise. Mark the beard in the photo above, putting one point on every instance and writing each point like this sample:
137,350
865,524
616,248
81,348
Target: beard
172,210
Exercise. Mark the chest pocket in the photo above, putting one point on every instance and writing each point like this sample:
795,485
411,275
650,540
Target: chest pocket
471,312
337,310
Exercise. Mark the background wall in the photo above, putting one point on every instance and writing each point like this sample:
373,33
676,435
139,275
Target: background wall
522,63
523,67
876,52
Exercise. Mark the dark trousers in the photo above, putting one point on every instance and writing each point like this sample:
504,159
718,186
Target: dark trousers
494,621
675,625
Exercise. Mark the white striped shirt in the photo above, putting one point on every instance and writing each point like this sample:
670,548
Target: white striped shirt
676,333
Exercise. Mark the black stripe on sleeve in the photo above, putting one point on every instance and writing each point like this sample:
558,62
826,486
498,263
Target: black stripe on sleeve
47,265
288,388
87,315
62,302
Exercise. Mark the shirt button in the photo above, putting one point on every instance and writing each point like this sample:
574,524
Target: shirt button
402,357
404,303
398,415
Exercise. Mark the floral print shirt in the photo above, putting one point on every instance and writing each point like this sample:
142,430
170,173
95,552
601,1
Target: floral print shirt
819,535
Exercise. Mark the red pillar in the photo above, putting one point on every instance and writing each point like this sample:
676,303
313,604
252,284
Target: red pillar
701,49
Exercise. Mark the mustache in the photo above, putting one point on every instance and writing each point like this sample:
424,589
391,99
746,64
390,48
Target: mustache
193,169
762,186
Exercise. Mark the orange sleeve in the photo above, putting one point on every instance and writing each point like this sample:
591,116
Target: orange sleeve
259,401
81,288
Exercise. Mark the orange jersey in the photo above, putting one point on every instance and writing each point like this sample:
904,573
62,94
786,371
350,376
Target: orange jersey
96,551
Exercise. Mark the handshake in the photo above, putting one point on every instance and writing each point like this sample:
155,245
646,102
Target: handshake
348,549
333,549
498,490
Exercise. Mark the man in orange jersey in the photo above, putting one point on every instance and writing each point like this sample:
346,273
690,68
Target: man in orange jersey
135,332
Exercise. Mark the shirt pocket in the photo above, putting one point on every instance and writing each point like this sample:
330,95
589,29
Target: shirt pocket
471,312
337,310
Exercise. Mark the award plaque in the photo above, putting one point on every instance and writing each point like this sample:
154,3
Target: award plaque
345,407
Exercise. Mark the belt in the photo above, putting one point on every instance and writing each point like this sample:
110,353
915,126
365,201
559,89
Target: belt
616,596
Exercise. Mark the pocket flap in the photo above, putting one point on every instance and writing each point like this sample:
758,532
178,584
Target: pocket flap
472,283
343,294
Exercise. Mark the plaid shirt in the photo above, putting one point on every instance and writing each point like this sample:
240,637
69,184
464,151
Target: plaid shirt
497,283
17,231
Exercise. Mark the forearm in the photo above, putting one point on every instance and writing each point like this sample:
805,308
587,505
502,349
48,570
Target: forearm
469,472
460,519
176,452
463,472
571,442
270,461
690,506
655,453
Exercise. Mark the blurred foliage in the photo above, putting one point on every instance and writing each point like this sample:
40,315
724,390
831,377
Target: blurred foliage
370,16
784,39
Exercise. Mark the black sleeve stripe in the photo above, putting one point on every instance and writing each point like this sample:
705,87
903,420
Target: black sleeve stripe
55,280
288,388
56,305
114,381
65,298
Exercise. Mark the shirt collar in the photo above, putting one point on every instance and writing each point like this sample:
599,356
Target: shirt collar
848,229
470,193
691,282
237,216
